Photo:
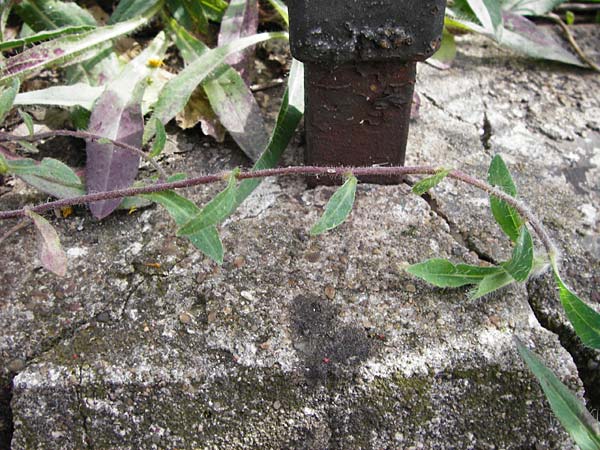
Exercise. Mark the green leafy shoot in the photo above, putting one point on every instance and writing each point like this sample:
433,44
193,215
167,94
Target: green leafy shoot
43,36
7,98
28,120
507,217
491,283
444,274
182,211
570,410
51,254
338,208
585,320
217,210
159,140
429,183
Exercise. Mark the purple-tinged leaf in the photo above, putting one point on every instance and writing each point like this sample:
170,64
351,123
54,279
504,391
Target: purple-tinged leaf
67,50
523,36
118,115
51,254
240,20
110,167
230,98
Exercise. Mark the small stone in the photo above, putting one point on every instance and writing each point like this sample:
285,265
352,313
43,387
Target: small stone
330,292
16,365
248,295
239,262
496,321
212,316
410,288
185,318
276,405
265,345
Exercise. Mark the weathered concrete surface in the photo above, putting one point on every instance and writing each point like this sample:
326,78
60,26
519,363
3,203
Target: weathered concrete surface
300,342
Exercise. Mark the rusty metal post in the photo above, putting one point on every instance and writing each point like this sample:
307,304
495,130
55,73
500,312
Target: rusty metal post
360,65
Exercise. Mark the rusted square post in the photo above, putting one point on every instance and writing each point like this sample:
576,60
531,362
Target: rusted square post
360,65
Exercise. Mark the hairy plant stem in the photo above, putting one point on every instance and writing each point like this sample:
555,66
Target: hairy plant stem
6,137
300,170
585,58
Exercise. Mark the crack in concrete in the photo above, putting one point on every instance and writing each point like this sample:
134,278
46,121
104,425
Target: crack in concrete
585,359
81,407
434,102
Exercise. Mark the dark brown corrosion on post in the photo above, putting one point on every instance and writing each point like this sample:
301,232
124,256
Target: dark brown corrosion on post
358,114
360,67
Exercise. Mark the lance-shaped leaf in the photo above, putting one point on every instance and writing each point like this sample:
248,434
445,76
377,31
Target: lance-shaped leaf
178,90
520,265
67,49
52,14
51,254
585,320
50,176
229,97
217,210
240,20
45,15
507,217
443,273
130,9
189,14
569,409
43,36
523,36
531,7
79,94
290,115
159,140
489,14
430,182
338,207
492,283
182,210
214,9
282,9
7,98
118,115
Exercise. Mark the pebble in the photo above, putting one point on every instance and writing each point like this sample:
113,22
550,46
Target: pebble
16,365
185,318
410,288
277,404
330,292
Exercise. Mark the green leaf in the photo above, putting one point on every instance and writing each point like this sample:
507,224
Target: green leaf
217,210
290,115
79,94
43,36
178,91
50,176
489,14
42,15
229,96
182,210
189,14
159,141
429,183
520,265
570,17
51,254
569,409
492,283
214,9
281,8
525,37
28,120
7,98
338,208
130,9
3,165
443,273
507,217
531,7
67,49
585,320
